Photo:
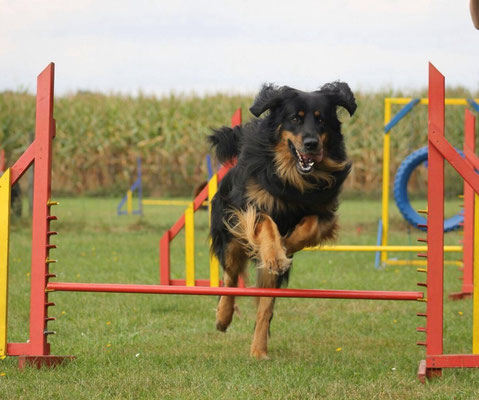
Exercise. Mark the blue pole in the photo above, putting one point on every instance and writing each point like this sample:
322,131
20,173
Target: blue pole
378,243
210,168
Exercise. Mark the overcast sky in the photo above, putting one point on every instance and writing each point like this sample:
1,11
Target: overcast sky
233,46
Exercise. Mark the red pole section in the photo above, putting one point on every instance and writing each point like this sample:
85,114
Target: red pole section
222,291
470,139
22,164
469,145
435,223
447,151
2,160
165,258
236,118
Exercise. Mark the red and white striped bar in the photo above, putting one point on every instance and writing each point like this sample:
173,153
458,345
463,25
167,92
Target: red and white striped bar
227,291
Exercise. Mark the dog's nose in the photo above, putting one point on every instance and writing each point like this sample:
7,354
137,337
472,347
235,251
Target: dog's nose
310,143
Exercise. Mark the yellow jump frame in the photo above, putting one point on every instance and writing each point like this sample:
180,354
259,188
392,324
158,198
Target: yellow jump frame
384,248
388,103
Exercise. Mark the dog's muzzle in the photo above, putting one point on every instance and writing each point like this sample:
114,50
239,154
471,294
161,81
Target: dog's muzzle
306,159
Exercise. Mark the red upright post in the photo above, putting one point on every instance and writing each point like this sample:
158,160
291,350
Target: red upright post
44,133
435,235
165,258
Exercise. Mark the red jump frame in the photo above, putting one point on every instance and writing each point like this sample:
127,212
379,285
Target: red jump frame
170,234
39,153
439,150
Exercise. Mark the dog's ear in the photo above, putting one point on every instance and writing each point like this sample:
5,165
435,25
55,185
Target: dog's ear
341,95
269,97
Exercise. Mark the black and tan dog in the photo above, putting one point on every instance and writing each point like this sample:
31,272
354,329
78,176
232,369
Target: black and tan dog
282,195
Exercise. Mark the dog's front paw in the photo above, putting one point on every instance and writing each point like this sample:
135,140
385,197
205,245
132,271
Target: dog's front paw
277,265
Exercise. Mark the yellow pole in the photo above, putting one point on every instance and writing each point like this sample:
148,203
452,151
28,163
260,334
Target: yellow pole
425,101
214,263
385,195
129,202
457,263
399,248
159,202
190,245
4,245
475,304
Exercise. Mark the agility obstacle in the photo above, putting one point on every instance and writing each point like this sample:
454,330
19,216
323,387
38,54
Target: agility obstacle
136,187
187,222
37,350
440,150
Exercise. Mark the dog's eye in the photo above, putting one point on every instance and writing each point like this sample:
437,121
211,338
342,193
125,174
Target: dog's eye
296,119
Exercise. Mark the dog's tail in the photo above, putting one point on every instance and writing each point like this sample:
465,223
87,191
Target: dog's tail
227,142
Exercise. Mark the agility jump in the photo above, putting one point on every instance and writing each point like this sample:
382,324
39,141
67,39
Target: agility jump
440,150
37,350
136,187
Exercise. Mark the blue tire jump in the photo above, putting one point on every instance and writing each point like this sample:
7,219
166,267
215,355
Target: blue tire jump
401,197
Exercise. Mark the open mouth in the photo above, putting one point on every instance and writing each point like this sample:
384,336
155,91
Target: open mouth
305,161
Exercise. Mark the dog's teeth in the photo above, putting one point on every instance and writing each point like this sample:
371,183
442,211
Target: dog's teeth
305,164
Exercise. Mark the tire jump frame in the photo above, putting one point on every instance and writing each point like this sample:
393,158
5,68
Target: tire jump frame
36,350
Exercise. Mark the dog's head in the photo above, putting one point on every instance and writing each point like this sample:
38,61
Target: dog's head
305,123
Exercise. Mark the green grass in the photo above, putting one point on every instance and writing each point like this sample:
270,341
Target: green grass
165,347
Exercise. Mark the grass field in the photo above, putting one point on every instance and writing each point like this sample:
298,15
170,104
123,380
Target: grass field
165,347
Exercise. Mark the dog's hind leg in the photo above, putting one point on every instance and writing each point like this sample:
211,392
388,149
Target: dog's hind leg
235,263
264,315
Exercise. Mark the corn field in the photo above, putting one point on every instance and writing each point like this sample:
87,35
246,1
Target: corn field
100,136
